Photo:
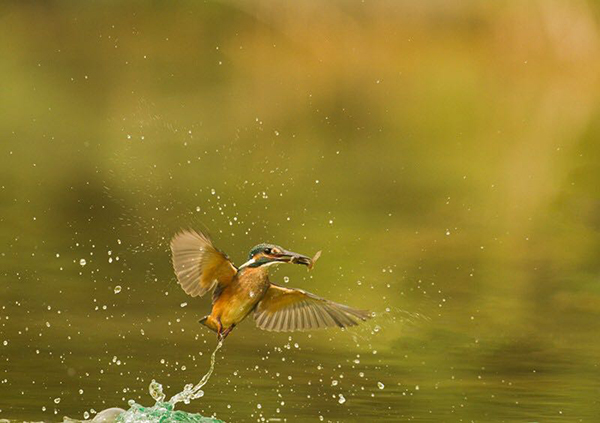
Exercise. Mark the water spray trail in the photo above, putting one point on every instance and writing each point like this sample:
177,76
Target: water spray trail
191,392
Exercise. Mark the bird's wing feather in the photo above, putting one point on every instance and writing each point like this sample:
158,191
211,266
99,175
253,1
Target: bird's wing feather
288,309
199,266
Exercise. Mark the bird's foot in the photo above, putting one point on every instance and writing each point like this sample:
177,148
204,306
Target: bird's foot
219,330
223,334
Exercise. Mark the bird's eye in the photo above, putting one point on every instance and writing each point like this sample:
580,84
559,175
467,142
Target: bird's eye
267,251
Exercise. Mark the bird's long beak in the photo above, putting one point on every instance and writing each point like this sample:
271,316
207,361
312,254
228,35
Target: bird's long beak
295,258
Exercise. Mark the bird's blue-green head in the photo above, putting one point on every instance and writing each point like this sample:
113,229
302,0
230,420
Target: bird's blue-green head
269,254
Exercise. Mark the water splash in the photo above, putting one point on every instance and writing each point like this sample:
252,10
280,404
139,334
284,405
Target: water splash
165,411
191,392
161,411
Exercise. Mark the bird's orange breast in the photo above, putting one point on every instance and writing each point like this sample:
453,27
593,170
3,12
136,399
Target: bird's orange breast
238,299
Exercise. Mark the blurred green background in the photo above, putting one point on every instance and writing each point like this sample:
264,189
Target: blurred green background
444,155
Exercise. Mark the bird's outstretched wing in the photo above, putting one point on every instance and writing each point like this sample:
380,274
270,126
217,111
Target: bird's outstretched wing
287,309
199,266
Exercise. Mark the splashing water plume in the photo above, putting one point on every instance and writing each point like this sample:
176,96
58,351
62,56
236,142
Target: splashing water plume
165,411
191,392
162,411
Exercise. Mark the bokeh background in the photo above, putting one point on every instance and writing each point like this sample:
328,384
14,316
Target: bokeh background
445,157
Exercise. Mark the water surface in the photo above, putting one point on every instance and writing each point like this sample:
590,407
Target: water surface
445,159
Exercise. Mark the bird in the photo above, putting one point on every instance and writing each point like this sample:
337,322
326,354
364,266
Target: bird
240,291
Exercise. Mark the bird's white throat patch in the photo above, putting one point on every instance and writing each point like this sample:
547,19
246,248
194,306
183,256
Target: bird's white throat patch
252,260
249,262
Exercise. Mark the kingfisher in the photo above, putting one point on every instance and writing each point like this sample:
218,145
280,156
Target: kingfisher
240,291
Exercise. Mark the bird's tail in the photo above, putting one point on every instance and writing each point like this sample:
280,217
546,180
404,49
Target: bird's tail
209,323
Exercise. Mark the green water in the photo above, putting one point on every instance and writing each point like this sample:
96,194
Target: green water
161,412
444,157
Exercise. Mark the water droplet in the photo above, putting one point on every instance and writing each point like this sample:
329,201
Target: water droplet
286,279
82,262
334,382
117,289
57,400
183,305
156,391
86,415
380,385
341,399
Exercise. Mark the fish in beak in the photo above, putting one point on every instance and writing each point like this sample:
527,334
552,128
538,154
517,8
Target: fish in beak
295,258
